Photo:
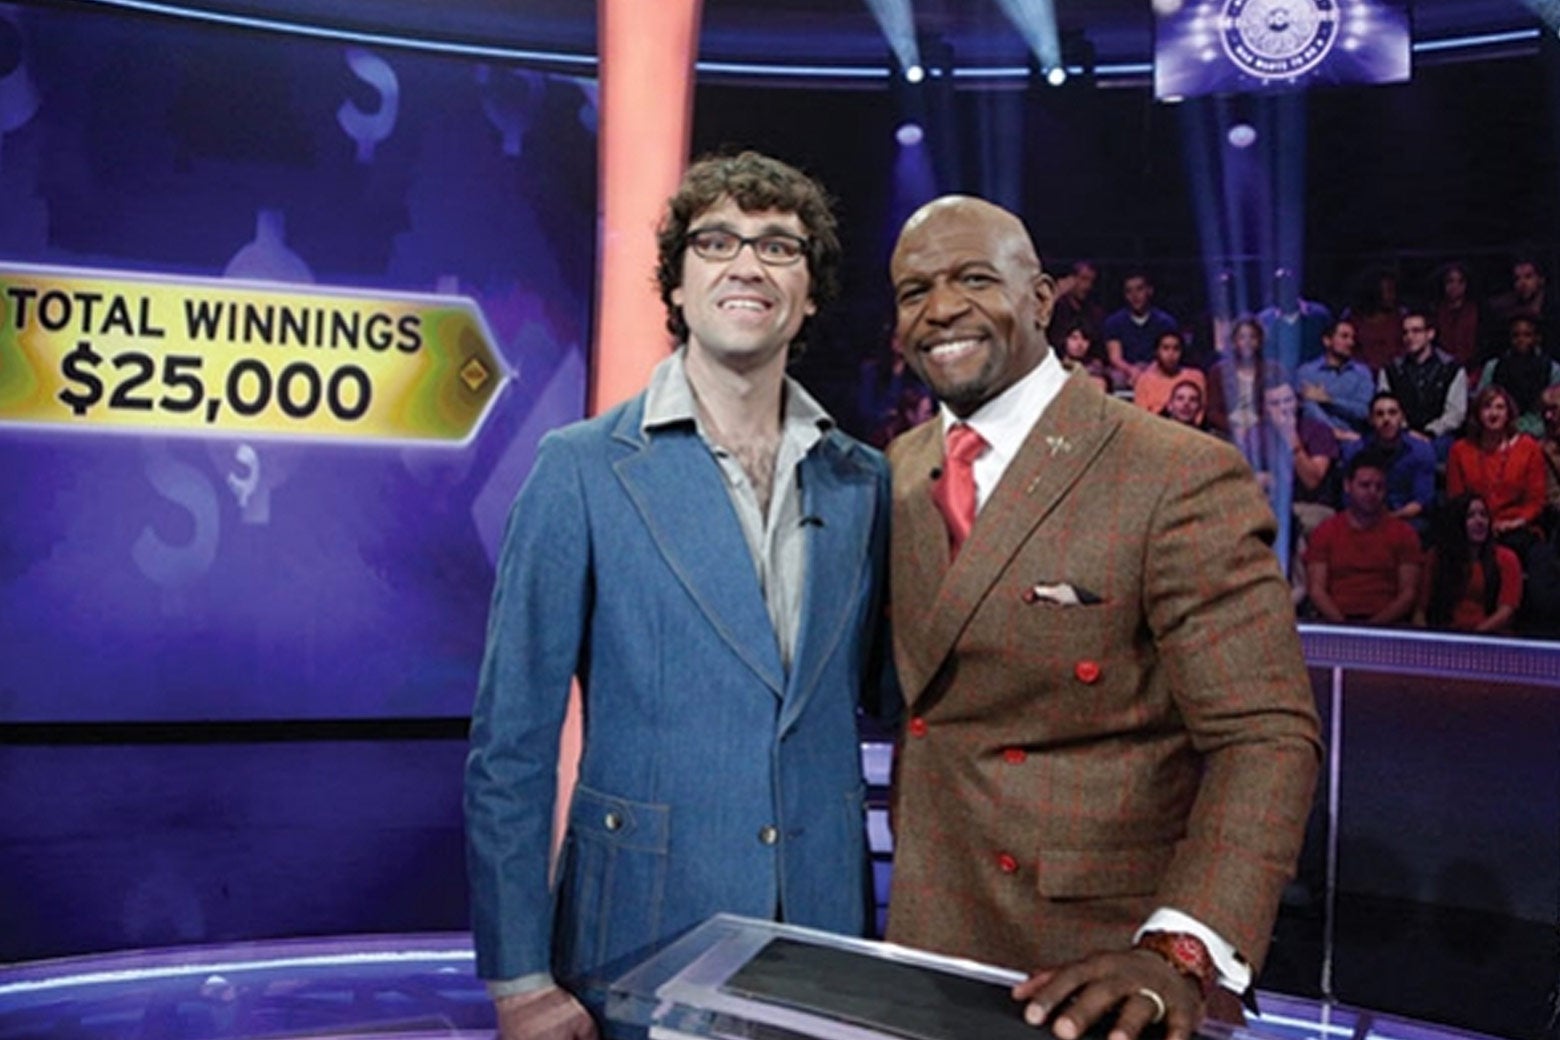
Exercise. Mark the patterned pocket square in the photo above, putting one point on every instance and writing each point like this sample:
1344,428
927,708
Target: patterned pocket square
1062,594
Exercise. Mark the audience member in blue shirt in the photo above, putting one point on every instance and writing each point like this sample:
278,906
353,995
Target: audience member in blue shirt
1410,462
1293,326
1132,333
1337,390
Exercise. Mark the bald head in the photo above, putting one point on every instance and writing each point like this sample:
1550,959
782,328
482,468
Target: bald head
967,211
971,300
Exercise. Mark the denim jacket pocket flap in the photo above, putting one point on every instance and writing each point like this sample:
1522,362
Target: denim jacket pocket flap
643,826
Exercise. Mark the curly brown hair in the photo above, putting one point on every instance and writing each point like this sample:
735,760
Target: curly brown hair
754,182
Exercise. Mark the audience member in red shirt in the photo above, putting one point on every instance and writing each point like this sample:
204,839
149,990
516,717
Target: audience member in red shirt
1456,314
1472,584
1501,466
1377,318
1363,564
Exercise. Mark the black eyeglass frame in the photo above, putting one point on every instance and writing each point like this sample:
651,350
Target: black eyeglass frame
693,237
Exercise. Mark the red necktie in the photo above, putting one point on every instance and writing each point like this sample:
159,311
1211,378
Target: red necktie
954,493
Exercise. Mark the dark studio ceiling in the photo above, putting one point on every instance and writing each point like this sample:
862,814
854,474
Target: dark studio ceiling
826,32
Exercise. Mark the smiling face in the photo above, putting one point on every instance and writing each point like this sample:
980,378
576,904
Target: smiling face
742,313
1494,413
1247,338
1186,402
1477,523
1523,335
970,299
1340,345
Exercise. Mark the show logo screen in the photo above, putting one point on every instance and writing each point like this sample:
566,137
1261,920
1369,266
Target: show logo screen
1247,46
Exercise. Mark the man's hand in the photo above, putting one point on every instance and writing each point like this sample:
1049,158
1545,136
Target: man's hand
1075,996
546,1014
1315,392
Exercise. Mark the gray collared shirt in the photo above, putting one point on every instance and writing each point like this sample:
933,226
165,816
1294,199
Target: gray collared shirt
777,541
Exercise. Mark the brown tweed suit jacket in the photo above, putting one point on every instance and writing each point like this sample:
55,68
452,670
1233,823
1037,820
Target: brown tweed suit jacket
1066,769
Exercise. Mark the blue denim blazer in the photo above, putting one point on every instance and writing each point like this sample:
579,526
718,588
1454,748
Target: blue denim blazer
710,780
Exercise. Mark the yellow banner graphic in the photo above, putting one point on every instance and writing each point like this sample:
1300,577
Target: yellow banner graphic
104,351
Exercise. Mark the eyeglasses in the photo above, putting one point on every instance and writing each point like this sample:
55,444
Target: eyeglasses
777,248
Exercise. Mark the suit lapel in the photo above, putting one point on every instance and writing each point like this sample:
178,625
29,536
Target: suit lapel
680,493
918,550
838,492
1059,450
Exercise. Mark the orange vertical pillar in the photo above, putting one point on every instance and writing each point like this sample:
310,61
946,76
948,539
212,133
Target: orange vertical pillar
647,52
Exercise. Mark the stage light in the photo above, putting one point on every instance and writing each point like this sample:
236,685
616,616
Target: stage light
909,134
1242,135
1035,21
897,21
1548,12
1056,75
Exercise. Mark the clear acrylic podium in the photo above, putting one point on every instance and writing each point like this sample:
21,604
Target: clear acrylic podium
745,979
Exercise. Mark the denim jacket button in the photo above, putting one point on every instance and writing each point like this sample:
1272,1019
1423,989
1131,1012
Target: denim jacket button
612,821
768,835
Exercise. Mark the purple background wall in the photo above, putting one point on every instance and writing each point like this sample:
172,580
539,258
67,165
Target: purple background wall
169,765
218,578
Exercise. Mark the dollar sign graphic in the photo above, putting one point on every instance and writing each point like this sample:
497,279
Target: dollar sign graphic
369,128
243,487
511,103
178,566
18,96
78,367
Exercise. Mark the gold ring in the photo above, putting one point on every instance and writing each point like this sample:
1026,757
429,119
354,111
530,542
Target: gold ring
1157,1001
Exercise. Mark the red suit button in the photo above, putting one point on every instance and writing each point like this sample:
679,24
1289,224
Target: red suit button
1087,671
1007,864
918,727
1014,755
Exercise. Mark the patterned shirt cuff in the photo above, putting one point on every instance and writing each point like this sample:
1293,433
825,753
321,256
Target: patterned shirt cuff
1234,972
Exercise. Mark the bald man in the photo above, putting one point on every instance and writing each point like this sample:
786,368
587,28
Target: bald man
1111,743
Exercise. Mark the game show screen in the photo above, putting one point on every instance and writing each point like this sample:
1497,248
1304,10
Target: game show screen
1246,46
282,320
